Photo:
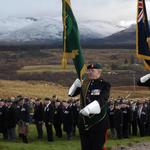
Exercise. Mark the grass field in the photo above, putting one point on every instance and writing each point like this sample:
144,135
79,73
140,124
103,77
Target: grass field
61,144
32,89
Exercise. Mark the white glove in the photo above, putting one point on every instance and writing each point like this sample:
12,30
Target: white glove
84,111
75,85
145,78
92,108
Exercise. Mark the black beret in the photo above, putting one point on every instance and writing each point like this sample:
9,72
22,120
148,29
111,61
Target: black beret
94,66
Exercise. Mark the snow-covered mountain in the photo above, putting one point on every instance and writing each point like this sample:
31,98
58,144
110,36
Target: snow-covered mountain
41,30
10,24
125,37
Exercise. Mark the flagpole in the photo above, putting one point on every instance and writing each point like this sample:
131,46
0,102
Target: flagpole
64,59
134,85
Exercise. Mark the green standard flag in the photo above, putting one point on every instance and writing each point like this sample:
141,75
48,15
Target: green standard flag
71,40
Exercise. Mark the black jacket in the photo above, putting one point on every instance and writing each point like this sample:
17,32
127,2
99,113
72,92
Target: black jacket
12,117
23,113
58,115
38,115
49,113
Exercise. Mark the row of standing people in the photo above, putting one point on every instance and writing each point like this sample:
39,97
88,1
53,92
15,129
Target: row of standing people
126,118
129,118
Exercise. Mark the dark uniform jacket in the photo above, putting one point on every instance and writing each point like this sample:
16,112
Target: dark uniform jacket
38,115
12,117
118,118
111,114
126,116
67,119
5,117
142,116
23,113
49,113
1,119
95,90
90,91
58,115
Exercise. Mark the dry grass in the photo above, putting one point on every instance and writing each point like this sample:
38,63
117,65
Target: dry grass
130,90
46,68
43,89
32,89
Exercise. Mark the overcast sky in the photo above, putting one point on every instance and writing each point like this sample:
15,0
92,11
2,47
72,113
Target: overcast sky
117,11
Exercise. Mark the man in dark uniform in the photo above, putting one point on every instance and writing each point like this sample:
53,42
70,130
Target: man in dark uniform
12,120
76,109
144,81
48,118
118,119
93,119
38,117
23,119
126,119
134,116
148,121
111,114
67,119
58,118
1,116
5,120
3,125
142,118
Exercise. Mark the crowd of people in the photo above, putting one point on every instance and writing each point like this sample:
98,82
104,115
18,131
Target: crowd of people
129,117
126,117
22,111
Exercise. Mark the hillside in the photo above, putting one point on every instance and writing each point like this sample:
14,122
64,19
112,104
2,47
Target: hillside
119,65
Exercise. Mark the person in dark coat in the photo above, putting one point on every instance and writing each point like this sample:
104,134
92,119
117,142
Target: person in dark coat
148,120
126,119
48,118
58,118
142,118
38,117
23,119
111,114
1,116
12,120
93,118
3,121
134,116
76,109
118,117
67,118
